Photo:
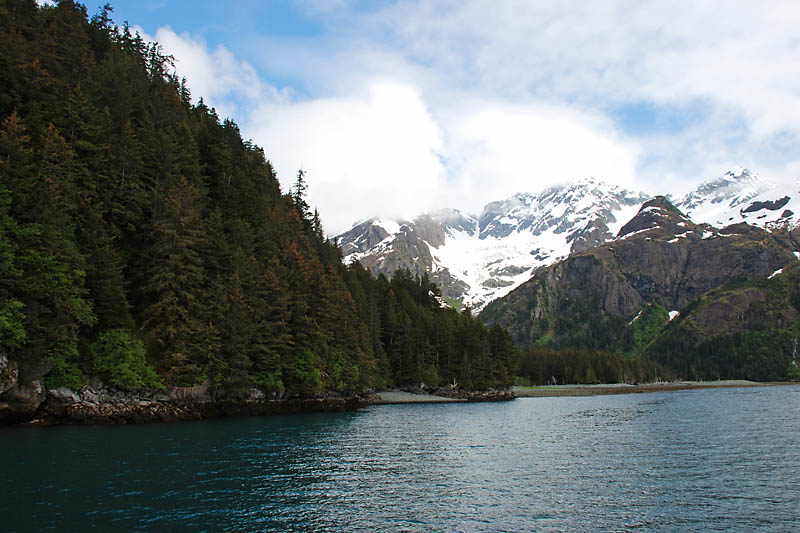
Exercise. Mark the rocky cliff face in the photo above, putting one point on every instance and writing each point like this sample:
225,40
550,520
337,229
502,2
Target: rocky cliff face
97,403
660,256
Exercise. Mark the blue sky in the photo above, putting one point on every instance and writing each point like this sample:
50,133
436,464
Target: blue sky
397,107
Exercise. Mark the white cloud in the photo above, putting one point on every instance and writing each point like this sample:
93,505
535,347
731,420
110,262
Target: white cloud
497,149
733,62
232,86
377,152
380,150
607,51
420,103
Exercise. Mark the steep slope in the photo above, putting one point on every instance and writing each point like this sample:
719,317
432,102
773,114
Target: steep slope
478,259
592,299
744,330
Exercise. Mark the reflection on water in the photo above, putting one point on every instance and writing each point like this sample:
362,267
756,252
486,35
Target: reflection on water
691,460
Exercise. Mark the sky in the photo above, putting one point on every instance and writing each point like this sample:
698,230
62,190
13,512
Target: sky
397,107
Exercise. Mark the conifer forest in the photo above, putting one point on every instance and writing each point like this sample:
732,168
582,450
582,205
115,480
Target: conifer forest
144,241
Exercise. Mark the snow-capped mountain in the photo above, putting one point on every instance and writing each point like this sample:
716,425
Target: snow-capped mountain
660,258
476,259
742,196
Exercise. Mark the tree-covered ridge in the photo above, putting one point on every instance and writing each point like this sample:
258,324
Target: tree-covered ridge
143,240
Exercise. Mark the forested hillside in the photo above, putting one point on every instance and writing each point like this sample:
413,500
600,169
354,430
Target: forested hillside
142,240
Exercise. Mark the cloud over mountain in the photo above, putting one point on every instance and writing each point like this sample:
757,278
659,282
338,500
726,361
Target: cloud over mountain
460,100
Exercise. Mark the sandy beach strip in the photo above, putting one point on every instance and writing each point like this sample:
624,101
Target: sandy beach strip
401,397
623,388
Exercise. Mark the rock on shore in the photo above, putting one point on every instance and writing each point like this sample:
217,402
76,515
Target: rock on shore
19,399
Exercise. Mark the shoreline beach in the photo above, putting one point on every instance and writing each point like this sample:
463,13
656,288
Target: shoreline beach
547,391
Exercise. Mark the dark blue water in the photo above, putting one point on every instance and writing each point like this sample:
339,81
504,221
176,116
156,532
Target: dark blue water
695,460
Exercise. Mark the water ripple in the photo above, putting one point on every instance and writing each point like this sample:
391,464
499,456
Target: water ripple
689,461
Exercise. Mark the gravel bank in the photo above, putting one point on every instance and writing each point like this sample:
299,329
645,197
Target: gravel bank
388,397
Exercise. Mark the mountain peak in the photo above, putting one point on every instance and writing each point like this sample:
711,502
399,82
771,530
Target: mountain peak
740,195
656,216
658,203
740,173
733,188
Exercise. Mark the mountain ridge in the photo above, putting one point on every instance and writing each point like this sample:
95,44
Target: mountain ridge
478,258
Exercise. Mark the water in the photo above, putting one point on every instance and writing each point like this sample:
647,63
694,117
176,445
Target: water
690,461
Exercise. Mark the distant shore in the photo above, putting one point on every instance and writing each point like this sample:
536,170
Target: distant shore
390,397
399,397
402,397
545,391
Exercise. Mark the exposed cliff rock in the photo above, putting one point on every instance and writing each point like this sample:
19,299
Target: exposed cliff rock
660,256
97,403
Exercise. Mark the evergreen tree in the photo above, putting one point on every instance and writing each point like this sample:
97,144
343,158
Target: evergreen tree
299,195
12,317
175,316
51,286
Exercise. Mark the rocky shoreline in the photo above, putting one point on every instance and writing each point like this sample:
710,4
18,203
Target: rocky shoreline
111,406
101,404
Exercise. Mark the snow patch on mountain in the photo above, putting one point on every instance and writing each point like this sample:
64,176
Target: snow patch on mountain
776,273
494,266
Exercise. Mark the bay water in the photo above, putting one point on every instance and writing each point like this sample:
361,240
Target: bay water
712,459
